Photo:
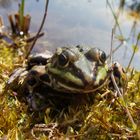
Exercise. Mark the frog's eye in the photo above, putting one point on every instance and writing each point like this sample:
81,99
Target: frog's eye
63,59
102,56
93,54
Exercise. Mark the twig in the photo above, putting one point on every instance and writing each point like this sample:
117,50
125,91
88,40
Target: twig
12,24
117,88
26,25
111,49
133,31
1,22
114,50
28,40
124,103
115,17
41,26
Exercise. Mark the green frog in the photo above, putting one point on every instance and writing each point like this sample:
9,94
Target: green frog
72,70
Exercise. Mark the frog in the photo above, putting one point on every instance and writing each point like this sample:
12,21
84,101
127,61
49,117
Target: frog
70,70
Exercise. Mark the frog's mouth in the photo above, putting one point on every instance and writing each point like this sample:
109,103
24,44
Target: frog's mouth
66,81
71,89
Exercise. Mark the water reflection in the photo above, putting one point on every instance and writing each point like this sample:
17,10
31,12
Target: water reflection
6,3
76,22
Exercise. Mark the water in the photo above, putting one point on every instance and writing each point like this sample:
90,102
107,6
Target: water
85,22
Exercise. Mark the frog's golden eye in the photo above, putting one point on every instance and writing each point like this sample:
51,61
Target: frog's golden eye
63,59
102,56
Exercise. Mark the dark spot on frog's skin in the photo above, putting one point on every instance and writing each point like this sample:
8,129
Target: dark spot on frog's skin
79,48
33,72
117,70
117,73
37,61
80,74
32,81
45,78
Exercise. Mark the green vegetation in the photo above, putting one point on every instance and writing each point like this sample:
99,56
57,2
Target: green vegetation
21,13
103,116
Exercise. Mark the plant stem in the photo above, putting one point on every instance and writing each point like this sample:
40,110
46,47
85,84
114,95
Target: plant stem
114,50
134,51
115,17
124,103
41,26
111,49
21,14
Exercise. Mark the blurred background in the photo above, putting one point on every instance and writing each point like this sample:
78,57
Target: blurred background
84,22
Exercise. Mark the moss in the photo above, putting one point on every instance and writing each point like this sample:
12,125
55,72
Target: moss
102,117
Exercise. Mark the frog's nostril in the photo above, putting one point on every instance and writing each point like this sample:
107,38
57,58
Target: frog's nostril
33,72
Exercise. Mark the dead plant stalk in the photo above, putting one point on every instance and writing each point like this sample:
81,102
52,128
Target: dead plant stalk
41,26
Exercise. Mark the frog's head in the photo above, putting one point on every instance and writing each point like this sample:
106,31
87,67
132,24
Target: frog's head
77,69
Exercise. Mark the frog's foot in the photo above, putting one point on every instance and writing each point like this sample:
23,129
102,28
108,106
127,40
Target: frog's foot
120,76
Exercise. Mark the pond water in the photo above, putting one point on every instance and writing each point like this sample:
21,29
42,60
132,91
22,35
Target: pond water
73,22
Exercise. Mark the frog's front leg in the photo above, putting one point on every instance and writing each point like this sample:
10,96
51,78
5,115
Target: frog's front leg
35,77
28,86
28,79
16,79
